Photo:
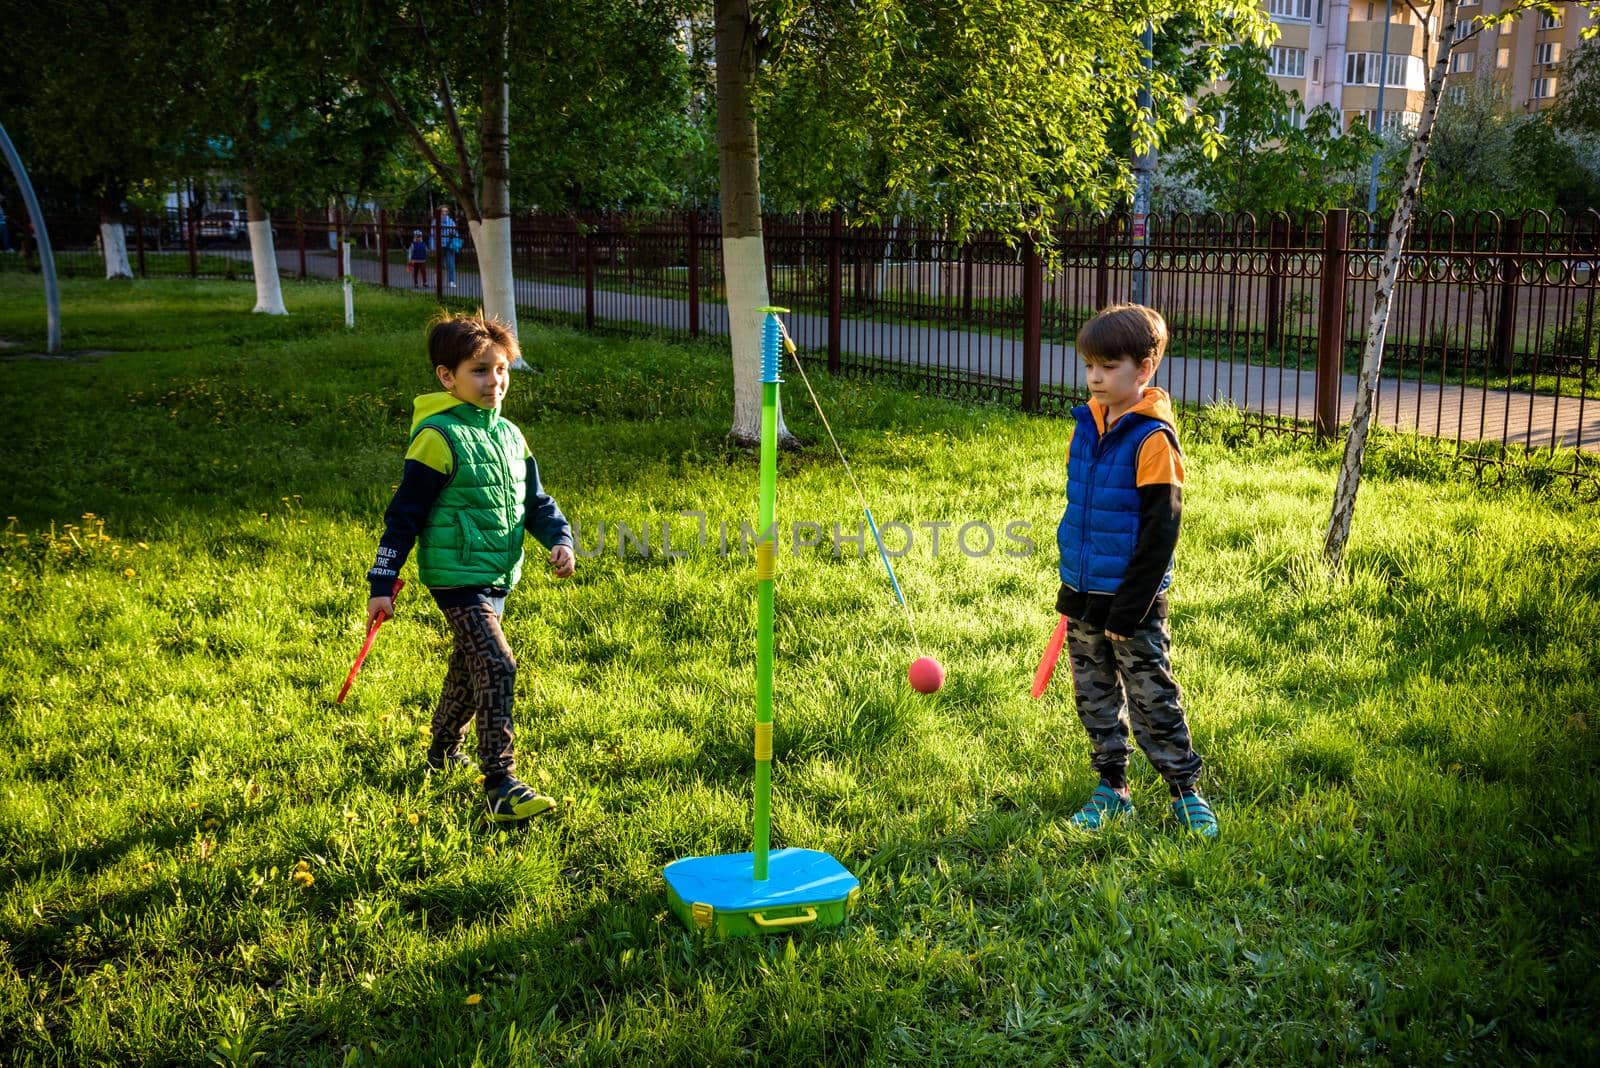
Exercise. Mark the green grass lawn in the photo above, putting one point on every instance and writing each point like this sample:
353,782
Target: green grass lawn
1406,761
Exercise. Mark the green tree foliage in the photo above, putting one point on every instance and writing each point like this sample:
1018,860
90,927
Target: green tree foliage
1483,156
94,94
1268,161
990,112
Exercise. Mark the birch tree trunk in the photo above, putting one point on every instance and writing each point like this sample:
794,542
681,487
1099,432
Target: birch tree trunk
114,237
1355,446
263,255
743,250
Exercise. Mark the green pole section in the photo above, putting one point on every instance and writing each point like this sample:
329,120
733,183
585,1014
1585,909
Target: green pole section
766,567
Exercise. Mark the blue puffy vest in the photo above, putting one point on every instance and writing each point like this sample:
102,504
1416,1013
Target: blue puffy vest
1100,527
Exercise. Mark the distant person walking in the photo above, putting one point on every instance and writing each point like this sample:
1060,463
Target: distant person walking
449,245
417,260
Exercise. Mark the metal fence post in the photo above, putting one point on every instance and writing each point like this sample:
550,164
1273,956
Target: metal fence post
1330,322
1277,239
383,248
694,274
835,291
1032,322
588,277
194,241
1102,267
300,237
138,229
438,256
1505,334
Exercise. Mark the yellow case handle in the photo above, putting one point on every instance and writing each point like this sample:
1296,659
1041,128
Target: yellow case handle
788,921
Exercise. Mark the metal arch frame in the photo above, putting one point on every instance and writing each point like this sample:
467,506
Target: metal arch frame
41,234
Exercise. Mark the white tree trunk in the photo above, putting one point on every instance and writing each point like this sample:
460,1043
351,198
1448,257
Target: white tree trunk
1355,446
492,239
264,264
739,190
114,243
744,259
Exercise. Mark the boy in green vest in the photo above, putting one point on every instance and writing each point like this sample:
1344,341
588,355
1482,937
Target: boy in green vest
469,490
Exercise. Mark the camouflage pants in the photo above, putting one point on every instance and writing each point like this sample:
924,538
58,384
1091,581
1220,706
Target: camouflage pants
480,685
1119,681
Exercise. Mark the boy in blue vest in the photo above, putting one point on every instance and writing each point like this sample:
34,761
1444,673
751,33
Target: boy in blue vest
1117,537
469,490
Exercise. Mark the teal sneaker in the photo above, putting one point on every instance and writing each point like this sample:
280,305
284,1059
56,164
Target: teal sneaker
1103,806
514,801
1192,812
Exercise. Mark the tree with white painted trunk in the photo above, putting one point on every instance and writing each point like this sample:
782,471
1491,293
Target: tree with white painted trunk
988,114
1449,36
263,253
743,245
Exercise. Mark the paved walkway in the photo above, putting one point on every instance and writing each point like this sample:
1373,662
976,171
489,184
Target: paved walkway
1465,413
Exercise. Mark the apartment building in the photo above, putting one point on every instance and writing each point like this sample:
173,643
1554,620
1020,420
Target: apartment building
1333,52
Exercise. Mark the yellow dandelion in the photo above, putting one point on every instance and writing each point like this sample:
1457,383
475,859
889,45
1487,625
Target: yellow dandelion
413,818
127,572
212,822
302,879
473,999
568,800
479,779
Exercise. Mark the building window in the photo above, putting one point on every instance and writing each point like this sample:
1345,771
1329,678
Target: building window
1296,118
1463,28
1456,94
1363,68
1461,63
1287,62
1502,58
1319,12
1316,68
1508,27
1290,9
1548,21
1544,88
1547,52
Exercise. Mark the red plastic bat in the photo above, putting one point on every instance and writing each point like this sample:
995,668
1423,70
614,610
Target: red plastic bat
1052,653
366,646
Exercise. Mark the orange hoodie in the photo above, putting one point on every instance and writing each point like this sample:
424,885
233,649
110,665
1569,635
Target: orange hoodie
1159,463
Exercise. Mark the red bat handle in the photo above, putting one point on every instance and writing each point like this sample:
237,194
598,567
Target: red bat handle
366,646
1052,653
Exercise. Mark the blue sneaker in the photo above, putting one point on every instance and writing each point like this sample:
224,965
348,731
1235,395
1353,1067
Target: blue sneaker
1192,812
1103,806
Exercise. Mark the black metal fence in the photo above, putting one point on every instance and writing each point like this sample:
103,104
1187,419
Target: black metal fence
1493,342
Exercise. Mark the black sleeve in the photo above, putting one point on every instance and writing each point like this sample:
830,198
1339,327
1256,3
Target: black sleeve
1160,511
544,519
402,522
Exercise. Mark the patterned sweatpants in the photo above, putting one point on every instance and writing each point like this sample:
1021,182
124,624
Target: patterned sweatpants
481,685
1119,681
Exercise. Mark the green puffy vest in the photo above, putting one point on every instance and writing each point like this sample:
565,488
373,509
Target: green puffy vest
473,536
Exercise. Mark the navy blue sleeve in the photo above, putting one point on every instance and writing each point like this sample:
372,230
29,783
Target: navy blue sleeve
544,519
402,522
